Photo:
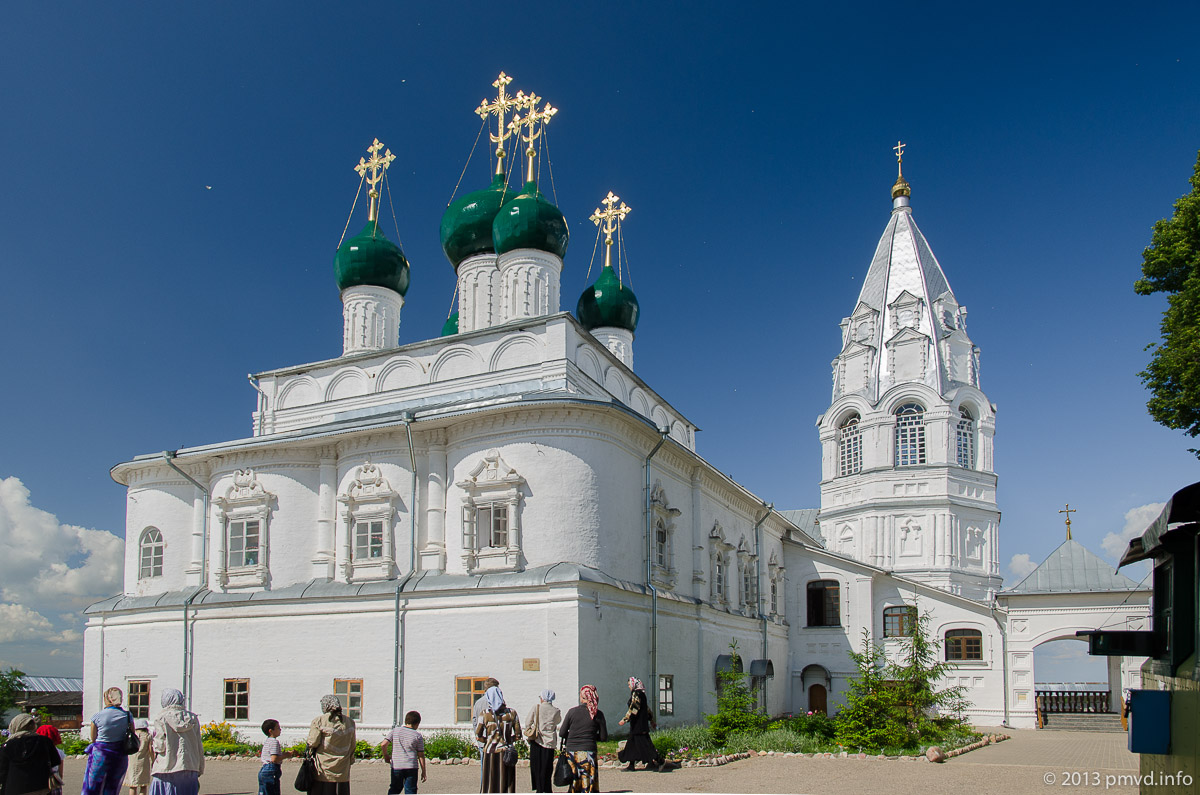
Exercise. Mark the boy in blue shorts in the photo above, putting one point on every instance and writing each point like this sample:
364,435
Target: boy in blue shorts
272,756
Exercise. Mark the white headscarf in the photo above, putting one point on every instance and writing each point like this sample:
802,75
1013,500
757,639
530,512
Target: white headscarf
494,698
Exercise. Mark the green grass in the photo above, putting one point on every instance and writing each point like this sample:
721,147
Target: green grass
697,740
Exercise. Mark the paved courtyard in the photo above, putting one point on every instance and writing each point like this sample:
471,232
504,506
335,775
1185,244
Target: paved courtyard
1023,764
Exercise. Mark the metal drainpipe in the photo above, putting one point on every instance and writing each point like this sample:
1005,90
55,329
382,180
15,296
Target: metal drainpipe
398,672
649,568
262,403
168,455
758,591
1003,657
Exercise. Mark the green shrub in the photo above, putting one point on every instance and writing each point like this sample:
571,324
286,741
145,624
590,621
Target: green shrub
297,748
770,740
814,723
448,745
222,732
684,739
737,705
364,750
73,744
212,748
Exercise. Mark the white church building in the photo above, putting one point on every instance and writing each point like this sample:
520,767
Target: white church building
513,499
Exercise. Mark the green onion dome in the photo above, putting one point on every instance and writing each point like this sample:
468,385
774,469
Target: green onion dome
467,222
608,303
371,259
450,328
530,221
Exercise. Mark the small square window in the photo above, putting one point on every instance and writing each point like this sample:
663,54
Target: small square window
350,693
237,699
243,543
139,698
368,540
467,690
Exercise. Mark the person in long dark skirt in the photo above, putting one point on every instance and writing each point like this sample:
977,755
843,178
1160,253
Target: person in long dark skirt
498,730
541,729
639,747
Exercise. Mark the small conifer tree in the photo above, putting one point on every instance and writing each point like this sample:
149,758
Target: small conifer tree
737,705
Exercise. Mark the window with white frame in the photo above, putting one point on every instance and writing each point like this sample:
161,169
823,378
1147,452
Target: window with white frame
662,555
244,511
775,573
150,553
910,435
964,440
367,529
719,552
491,527
666,694
849,446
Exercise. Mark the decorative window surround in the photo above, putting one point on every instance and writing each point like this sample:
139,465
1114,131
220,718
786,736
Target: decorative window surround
243,514
719,553
775,573
368,513
491,516
663,544
747,568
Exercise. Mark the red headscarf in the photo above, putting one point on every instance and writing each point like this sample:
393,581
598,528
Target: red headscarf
588,692
51,732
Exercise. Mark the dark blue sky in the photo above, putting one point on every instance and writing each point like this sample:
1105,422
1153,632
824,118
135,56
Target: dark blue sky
753,143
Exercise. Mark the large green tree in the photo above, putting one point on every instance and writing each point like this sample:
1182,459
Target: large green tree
1171,264
11,683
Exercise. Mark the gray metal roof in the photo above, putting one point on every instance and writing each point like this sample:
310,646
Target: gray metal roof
806,520
1072,568
52,684
425,581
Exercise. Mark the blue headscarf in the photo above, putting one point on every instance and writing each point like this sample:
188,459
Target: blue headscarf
548,696
494,698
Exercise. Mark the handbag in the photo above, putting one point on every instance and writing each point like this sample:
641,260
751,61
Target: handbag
509,757
564,768
531,730
306,776
131,743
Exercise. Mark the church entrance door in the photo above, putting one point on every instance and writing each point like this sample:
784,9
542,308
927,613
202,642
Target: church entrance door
816,699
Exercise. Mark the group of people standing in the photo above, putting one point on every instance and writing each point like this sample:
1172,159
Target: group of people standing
169,759
576,735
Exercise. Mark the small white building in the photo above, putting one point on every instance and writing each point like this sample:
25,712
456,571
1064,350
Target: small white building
513,500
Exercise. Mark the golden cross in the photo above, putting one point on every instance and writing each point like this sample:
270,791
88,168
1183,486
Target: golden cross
899,150
610,216
503,104
1068,511
376,164
531,120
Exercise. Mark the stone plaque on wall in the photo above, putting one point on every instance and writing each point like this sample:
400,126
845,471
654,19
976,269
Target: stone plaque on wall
531,664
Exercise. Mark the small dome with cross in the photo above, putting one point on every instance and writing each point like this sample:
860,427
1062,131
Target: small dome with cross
467,222
530,221
370,259
608,304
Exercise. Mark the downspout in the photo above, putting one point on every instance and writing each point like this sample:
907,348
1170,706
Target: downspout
1003,657
758,591
168,456
398,672
650,568
262,404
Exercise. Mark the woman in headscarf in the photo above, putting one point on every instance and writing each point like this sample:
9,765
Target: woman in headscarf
106,759
26,759
138,777
541,728
178,748
331,741
583,727
51,734
498,730
639,747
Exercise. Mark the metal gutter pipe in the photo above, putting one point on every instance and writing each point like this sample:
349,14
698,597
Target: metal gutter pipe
758,590
1004,656
650,567
407,419
168,456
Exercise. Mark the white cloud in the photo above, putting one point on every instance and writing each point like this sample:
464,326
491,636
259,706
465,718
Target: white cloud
49,572
1021,565
1136,521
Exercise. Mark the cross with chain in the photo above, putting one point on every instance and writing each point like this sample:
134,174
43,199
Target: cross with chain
532,119
610,216
376,164
503,104
1068,511
899,150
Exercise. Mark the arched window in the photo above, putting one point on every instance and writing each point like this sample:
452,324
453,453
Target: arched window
898,621
824,604
910,435
964,644
964,440
849,447
150,558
